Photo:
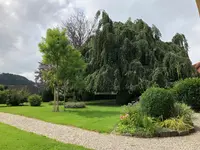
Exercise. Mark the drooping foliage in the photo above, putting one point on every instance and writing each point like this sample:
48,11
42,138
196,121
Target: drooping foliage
127,58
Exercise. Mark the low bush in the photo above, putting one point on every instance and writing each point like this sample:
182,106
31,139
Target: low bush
157,102
24,95
35,100
188,92
4,95
75,105
176,124
60,103
184,111
2,87
14,98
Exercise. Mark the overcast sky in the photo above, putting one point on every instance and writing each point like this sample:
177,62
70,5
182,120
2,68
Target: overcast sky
23,22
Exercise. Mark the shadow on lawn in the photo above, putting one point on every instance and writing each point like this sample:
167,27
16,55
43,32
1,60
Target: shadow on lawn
94,114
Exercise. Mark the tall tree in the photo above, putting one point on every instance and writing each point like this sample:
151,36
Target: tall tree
62,62
127,58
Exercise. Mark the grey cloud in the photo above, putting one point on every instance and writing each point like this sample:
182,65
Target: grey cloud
23,22
21,27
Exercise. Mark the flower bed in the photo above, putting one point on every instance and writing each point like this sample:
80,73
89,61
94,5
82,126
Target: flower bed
134,122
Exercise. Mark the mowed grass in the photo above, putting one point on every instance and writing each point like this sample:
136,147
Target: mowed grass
14,139
95,118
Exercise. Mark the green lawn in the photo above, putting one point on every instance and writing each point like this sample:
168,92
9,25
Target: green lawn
15,139
96,118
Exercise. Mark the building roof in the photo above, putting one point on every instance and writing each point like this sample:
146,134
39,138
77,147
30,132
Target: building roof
197,66
198,5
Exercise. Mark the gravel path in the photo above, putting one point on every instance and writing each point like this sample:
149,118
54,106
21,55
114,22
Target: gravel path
99,141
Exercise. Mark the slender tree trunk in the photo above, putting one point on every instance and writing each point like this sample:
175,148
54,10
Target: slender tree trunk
57,100
64,92
54,104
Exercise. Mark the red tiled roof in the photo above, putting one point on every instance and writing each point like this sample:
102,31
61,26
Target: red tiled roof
197,66
198,5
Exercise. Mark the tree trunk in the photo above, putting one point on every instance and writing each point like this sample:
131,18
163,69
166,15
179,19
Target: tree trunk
65,90
57,100
54,103
74,95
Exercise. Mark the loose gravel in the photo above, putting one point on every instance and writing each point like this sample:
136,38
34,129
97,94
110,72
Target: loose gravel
97,141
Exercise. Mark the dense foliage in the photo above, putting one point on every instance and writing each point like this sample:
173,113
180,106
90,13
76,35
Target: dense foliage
188,91
2,87
4,96
47,95
14,98
157,102
127,58
35,100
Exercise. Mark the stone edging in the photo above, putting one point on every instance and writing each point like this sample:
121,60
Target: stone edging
176,133
166,134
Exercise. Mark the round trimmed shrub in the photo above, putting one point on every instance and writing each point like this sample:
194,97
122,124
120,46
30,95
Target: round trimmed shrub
157,102
188,92
35,100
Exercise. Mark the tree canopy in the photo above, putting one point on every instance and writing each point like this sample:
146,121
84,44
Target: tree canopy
127,58
62,62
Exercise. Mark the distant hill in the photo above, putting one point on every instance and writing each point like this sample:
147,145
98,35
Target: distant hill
12,79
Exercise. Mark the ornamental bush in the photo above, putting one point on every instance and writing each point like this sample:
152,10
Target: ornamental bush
14,98
184,111
3,96
35,100
157,102
188,92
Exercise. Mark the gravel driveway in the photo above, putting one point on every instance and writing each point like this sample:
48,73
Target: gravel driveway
99,141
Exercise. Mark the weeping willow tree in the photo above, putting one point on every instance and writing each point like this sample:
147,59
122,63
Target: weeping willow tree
127,58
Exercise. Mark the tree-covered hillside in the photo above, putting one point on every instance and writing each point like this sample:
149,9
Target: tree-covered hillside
12,79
